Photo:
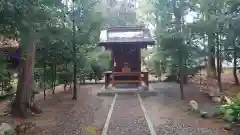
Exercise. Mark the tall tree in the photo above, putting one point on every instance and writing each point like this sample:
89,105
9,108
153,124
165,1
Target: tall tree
119,13
48,27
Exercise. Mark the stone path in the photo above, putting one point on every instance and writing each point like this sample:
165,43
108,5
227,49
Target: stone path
128,117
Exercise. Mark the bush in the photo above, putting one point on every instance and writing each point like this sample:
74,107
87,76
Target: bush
231,109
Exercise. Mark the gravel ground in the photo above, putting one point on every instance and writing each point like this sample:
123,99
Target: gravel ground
167,112
128,117
173,128
83,114
172,91
64,116
170,115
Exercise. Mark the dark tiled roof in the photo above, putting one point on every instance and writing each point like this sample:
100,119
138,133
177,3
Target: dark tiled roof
8,44
126,35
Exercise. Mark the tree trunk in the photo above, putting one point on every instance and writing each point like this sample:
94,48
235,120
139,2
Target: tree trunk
211,72
235,65
74,57
185,74
219,65
2,87
185,79
66,79
181,71
22,103
53,68
55,77
65,86
44,79
157,66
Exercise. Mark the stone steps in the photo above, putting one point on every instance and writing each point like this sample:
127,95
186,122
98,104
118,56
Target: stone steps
127,92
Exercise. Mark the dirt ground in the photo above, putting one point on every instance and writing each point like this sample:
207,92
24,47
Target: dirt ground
207,85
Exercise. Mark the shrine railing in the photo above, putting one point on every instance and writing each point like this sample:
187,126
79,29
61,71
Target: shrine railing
125,77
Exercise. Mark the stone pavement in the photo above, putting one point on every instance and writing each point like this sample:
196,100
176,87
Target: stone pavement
128,117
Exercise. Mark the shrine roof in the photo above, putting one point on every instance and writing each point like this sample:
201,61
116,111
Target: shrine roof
8,44
126,34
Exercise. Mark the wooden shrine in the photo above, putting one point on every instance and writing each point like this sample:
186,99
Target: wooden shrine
125,44
9,50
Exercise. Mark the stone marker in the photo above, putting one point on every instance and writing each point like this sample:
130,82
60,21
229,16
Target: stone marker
194,105
6,129
204,114
228,126
217,99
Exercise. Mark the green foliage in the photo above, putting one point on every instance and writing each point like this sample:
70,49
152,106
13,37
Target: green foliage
48,25
5,75
231,109
216,24
118,13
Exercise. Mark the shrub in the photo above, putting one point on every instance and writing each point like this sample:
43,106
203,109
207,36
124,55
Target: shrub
231,109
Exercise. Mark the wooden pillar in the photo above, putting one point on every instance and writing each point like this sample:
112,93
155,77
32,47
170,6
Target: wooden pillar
145,78
112,57
113,68
139,59
106,80
140,78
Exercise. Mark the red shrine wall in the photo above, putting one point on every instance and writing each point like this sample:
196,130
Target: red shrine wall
126,54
